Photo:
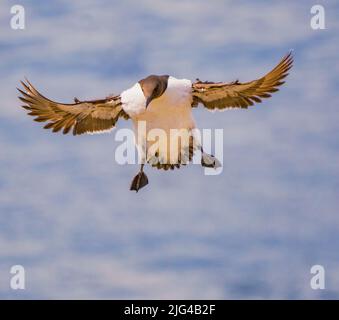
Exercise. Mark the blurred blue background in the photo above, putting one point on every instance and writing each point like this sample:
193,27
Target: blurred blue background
66,212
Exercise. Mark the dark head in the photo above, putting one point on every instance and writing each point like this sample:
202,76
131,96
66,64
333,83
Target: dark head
153,87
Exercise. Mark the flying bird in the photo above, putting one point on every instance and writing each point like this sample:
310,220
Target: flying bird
162,102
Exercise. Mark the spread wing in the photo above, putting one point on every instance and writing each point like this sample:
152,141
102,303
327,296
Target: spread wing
83,117
221,95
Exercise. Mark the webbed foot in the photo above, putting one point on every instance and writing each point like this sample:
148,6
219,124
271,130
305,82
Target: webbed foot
139,181
209,161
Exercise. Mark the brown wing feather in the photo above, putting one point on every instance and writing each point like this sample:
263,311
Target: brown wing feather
82,117
223,95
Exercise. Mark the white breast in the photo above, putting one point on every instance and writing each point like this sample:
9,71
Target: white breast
133,100
177,94
170,111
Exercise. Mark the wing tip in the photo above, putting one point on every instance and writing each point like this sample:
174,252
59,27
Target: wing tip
289,58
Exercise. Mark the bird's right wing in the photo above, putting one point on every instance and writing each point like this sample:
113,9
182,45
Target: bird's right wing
83,117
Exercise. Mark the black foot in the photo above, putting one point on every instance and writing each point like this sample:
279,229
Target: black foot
139,181
209,161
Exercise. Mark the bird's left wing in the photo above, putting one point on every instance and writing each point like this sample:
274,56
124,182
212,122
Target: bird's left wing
82,116
222,95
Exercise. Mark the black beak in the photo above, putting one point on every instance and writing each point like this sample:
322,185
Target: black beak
148,101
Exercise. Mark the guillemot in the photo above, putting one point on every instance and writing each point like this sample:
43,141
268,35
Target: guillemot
161,102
